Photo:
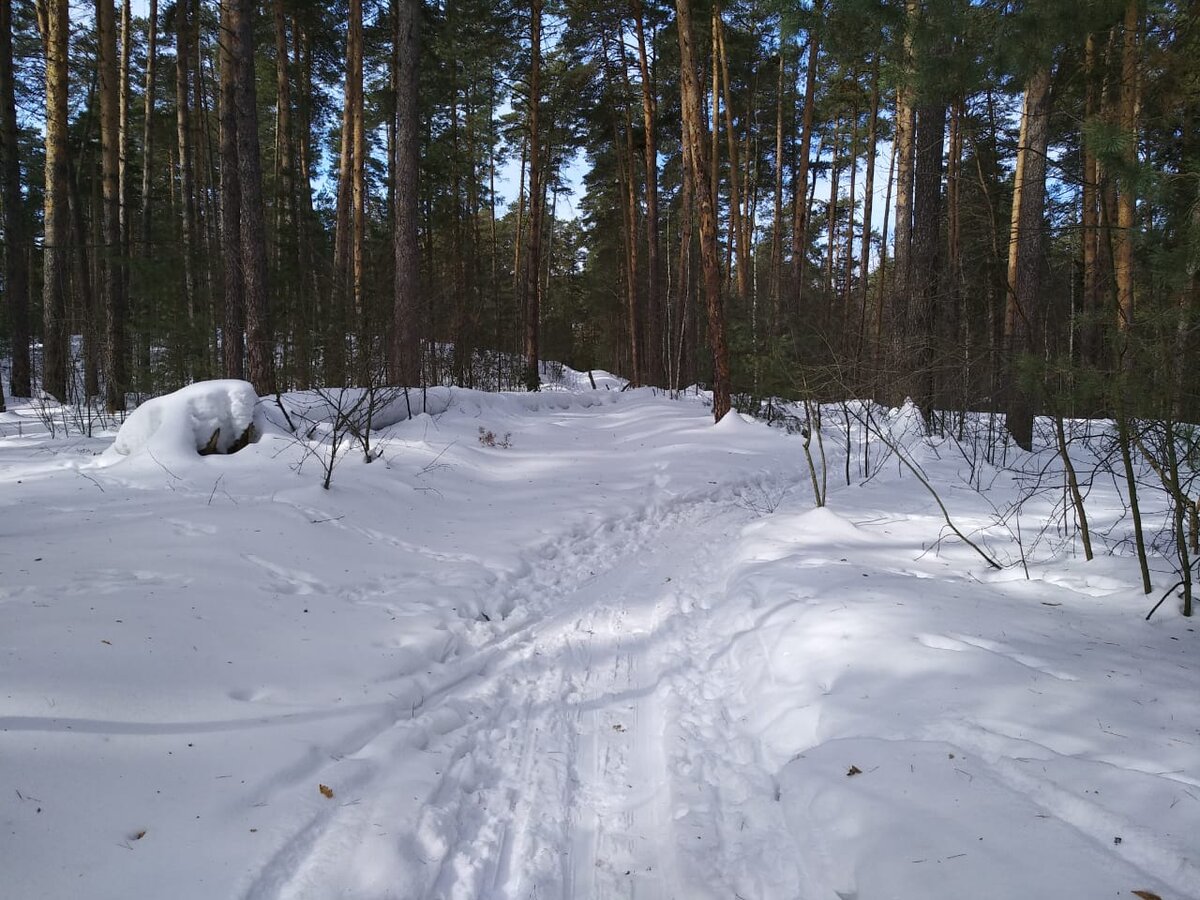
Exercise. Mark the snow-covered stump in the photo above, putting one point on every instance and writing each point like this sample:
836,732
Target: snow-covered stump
201,419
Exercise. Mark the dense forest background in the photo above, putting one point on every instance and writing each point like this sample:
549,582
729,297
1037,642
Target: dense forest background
980,205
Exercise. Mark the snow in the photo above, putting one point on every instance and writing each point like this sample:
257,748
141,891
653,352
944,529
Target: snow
179,426
613,653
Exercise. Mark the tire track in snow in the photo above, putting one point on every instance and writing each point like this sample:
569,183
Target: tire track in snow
475,805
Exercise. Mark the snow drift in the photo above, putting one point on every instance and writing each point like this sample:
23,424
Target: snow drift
206,417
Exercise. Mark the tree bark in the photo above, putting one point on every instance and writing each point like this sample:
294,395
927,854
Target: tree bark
14,219
531,283
741,255
704,197
233,344
654,312
110,166
1024,252
260,345
905,166
1126,196
800,180
405,349
926,258
56,216
148,124
187,191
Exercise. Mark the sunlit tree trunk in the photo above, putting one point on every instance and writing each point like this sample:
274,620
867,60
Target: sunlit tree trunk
405,350
1024,251
56,216
654,313
531,282
704,197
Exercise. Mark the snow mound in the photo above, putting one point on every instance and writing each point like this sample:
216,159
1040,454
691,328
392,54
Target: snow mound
206,417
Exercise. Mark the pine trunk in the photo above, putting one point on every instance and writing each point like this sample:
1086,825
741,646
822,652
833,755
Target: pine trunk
406,349
13,219
1024,253
704,200
56,216
531,282
260,345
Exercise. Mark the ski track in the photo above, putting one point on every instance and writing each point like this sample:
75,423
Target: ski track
548,773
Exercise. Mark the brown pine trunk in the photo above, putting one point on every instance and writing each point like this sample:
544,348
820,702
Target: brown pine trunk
777,222
260,345
343,308
126,48
653,356
110,166
800,180
187,193
699,169
868,209
902,244
684,293
56,216
741,255
13,219
233,344
358,180
926,257
1024,251
1089,349
533,258
406,349
826,317
148,124
1126,197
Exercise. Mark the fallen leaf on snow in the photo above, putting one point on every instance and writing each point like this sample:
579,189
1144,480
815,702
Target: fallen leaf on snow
854,770
326,791
1146,895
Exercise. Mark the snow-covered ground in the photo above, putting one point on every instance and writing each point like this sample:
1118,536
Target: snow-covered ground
577,644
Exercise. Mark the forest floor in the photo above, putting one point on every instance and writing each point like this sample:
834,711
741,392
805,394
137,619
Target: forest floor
611,650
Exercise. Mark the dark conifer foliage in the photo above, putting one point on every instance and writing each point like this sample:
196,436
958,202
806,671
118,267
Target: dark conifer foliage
979,205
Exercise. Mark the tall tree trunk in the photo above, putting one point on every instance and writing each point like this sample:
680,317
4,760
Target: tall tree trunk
692,106
56,217
148,126
654,313
123,130
1126,197
260,345
358,181
800,180
680,330
233,342
530,282
1024,251
777,219
14,221
926,257
110,167
905,139
868,210
1090,219
406,350
338,315
741,254
187,192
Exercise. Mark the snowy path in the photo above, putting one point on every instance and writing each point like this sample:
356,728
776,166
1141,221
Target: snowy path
558,783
